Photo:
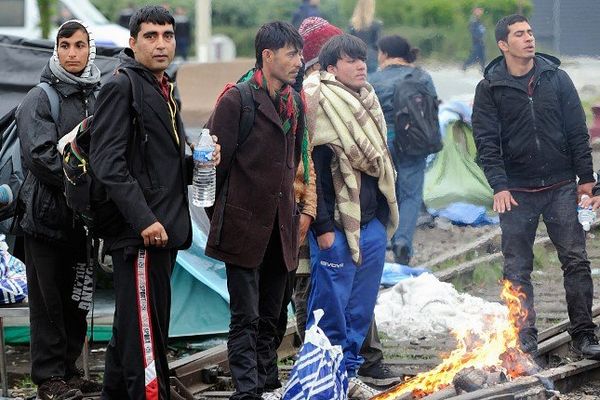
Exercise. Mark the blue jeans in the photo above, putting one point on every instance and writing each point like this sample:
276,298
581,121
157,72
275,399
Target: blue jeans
409,194
558,208
345,292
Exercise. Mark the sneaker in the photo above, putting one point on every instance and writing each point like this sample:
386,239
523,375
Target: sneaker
276,394
86,386
57,389
380,374
359,390
401,254
586,346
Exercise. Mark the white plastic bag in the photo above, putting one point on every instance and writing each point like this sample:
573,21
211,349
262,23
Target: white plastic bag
318,372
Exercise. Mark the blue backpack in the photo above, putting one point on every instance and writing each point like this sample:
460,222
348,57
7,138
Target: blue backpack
12,172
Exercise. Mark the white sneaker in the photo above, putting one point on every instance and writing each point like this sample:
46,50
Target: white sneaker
359,390
276,394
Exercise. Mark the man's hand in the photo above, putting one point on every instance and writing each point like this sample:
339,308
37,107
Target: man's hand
503,201
585,188
326,240
591,201
305,221
155,235
217,152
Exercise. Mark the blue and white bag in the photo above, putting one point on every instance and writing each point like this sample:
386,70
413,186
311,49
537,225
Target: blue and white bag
13,280
318,373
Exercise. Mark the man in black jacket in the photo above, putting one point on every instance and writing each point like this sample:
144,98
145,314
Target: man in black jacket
138,153
532,140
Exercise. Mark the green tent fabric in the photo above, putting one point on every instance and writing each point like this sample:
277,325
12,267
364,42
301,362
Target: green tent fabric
454,176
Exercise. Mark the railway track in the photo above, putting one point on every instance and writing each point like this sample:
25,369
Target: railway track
205,375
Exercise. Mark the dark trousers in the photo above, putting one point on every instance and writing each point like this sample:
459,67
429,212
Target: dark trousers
558,208
301,292
477,55
371,350
256,296
136,365
57,325
272,381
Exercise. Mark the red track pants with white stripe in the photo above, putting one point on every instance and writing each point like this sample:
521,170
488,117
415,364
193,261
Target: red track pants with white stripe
136,357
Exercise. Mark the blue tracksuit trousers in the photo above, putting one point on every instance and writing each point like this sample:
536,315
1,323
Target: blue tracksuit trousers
345,292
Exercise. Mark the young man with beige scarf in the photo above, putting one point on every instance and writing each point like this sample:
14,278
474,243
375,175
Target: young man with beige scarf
356,202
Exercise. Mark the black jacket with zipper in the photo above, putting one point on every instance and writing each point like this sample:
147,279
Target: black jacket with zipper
145,171
43,209
530,136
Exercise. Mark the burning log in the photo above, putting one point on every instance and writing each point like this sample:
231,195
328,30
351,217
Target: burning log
446,393
471,379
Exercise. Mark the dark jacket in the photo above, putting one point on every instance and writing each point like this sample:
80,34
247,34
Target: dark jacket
477,30
530,139
144,173
304,11
45,213
261,184
373,203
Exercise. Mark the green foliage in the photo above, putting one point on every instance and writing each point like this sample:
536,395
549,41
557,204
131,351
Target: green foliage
437,27
47,11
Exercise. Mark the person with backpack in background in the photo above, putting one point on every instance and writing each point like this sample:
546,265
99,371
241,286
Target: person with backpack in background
396,58
54,240
533,144
255,221
137,153
356,201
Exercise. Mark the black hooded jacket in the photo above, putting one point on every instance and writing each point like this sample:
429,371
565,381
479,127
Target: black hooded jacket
145,171
530,136
44,211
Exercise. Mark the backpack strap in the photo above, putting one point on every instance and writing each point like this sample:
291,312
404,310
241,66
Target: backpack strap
247,114
248,109
53,98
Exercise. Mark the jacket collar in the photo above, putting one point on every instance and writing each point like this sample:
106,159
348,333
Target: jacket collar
497,72
266,106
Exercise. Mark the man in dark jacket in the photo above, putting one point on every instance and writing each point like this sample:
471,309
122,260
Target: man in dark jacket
137,152
54,241
254,229
532,140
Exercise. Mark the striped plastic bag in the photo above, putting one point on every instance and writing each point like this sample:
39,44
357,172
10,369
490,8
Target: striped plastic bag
318,373
13,280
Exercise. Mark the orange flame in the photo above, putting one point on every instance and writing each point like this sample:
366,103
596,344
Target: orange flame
496,346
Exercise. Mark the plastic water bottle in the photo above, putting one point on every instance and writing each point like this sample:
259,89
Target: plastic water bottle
204,180
585,215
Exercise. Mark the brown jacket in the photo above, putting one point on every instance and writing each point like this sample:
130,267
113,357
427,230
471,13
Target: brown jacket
261,184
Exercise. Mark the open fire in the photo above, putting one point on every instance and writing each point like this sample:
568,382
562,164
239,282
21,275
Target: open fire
495,348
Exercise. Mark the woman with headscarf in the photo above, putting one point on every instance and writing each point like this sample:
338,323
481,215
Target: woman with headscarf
54,240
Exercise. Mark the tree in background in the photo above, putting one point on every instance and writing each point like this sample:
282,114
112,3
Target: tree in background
47,9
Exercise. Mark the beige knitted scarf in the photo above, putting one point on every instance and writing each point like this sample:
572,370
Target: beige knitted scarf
353,126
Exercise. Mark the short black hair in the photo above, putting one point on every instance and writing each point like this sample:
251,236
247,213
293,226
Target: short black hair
150,14
396,46
274,36
502,26
340,46
69,28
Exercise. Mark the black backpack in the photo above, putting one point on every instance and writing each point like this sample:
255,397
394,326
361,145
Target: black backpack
12,171
417,129
84,194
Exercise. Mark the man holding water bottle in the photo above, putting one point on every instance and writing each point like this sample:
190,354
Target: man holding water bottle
137,153
530,132
255,226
